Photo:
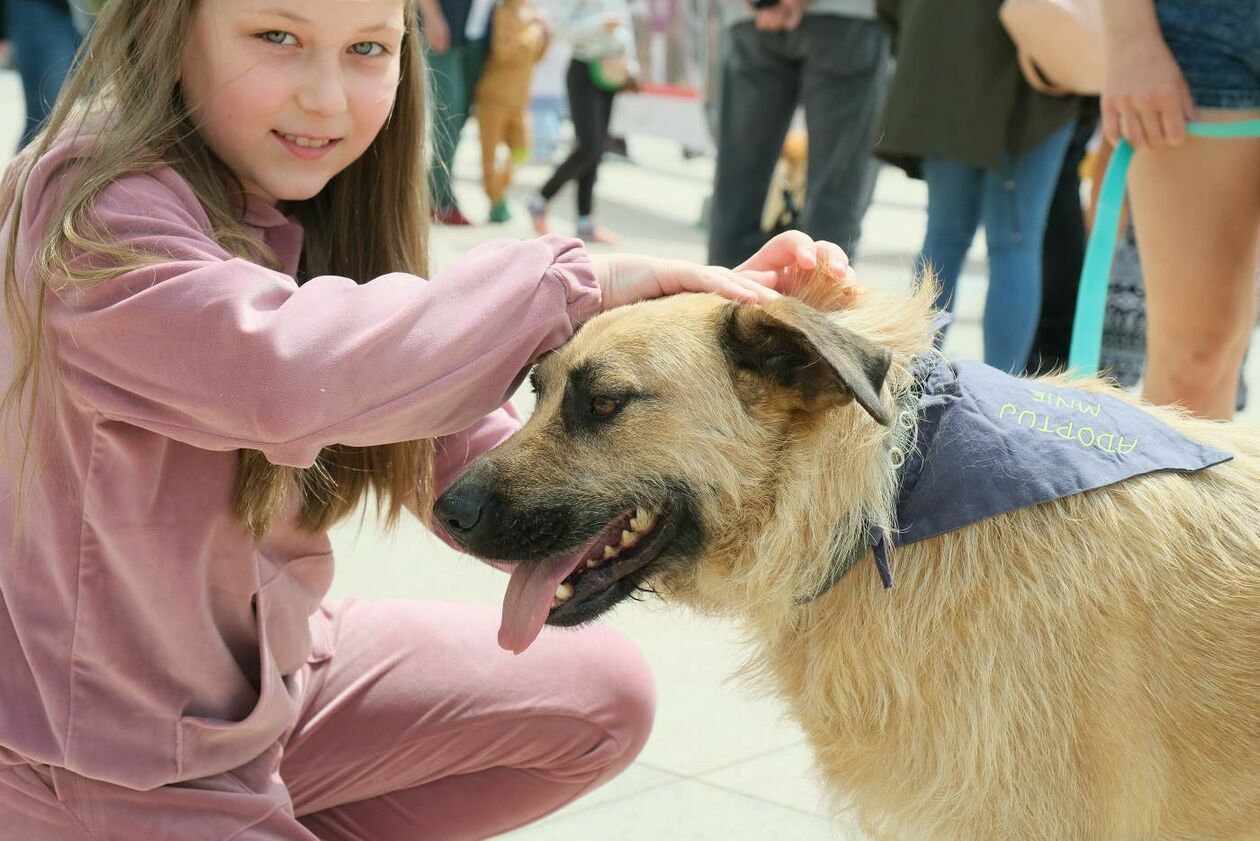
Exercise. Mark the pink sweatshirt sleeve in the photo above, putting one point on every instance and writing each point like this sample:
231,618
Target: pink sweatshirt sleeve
222,354
455,452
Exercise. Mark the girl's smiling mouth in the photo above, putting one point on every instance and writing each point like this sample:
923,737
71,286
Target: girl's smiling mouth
307,148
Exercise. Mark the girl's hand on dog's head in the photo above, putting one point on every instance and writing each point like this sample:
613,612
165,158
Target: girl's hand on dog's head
630,278
787,262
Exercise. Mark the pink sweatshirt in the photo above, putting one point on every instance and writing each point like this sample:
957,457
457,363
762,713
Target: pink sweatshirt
145,637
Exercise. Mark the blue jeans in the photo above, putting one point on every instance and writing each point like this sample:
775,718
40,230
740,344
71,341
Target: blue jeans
1217,46
1013,202
453,76
44,40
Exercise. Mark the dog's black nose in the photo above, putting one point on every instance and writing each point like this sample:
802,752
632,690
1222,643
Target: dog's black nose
458,513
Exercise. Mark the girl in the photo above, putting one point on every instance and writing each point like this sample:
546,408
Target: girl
200,388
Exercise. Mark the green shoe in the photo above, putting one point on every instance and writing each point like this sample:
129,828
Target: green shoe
500,212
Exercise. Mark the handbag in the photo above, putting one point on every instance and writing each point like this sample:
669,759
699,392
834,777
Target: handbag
1059,43
610,73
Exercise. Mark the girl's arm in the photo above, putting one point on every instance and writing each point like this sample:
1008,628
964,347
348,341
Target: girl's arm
220,353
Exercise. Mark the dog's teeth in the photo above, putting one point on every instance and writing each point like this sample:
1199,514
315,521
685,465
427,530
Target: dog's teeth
611,552
641,515
634,524
591,563
564,592
644,521
628,539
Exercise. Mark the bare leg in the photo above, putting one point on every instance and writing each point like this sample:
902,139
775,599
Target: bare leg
1196,208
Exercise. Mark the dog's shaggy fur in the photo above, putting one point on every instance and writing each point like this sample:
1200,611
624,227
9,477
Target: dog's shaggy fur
1082,669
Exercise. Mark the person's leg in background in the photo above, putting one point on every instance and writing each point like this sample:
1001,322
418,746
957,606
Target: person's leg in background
44,40
419,726
1063,253
759,91
1197,213
450,110
842,88
586,227
585,114
1016,201
953,214
454,76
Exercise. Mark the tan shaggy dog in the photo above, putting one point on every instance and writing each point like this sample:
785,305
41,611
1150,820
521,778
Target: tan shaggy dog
1081,669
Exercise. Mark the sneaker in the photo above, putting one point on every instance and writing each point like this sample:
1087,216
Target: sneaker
595,235
499,213
537,209
450,216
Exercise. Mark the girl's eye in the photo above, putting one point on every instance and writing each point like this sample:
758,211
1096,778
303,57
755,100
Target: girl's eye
604,407
369,49
278,37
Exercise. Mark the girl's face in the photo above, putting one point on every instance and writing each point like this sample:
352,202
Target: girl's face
290,92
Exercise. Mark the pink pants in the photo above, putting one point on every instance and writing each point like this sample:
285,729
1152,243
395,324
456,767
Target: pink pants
418,727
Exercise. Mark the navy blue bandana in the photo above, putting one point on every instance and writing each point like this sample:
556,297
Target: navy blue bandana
989,443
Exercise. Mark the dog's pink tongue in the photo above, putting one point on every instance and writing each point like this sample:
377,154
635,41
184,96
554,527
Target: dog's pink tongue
527,602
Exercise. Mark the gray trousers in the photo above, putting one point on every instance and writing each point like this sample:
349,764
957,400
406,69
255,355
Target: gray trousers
837,69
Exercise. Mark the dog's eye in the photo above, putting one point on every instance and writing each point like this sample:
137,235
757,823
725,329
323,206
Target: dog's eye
604,407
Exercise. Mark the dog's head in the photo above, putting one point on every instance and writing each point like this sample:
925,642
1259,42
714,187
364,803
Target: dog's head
656,442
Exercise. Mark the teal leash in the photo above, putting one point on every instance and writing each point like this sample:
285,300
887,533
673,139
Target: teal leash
1091,300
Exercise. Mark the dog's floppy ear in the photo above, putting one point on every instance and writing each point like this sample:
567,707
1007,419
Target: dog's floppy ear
800,348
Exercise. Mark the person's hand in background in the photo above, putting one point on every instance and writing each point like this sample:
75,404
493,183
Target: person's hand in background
1145,98
437,32
784,16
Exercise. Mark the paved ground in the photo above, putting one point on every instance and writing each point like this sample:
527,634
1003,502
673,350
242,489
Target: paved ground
721,765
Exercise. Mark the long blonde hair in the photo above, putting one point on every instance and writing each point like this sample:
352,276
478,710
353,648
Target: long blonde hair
126,83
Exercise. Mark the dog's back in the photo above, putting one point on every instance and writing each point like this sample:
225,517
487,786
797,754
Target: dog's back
1086,668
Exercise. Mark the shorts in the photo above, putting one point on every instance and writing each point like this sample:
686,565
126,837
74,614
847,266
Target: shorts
1217,45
